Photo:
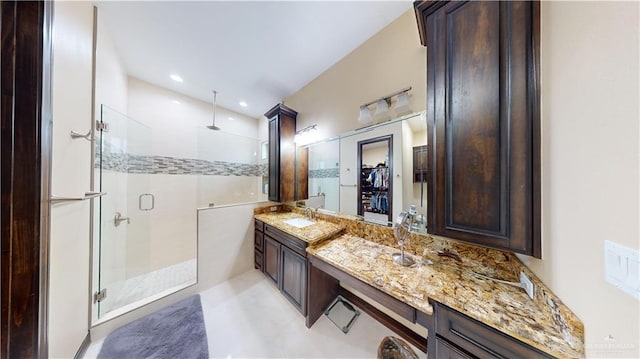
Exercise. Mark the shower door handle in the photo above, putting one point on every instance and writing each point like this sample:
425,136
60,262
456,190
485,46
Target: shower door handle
146,202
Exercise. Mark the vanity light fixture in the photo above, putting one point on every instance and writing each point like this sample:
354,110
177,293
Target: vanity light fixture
382,106
176,78
304,136
365,115
402,103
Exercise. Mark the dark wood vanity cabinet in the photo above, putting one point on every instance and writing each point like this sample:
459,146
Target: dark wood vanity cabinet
459,336
258,243
483,121
285,263
282,154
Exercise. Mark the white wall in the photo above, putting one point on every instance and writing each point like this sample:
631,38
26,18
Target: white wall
69,247
589,68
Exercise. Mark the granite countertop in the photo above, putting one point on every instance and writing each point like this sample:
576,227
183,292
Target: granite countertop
312,234
500,306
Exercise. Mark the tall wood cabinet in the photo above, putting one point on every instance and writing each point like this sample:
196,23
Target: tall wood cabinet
282,153
483,121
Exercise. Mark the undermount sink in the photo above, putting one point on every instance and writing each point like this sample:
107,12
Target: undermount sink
299,222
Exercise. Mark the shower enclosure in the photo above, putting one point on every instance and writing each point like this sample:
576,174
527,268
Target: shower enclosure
135,259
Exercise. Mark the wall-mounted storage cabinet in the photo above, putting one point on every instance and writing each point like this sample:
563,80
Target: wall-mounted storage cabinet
483,121
282,154
420,156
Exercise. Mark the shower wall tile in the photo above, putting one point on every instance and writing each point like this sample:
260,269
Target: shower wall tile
142,164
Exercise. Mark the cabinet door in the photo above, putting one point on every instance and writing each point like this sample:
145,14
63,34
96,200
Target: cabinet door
271,259
483,119
420,163
294,279
274,159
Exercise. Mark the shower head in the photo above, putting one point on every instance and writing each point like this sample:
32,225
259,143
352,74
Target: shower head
213,124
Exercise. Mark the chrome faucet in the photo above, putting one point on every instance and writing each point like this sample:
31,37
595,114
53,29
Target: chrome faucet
117,219
308,212
401,231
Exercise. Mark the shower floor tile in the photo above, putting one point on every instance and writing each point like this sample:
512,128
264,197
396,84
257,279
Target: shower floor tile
148,284
247,317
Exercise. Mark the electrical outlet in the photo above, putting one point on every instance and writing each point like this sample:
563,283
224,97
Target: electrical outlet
527,284
274,208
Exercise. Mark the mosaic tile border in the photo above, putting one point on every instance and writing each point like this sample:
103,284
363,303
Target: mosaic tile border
325,173
141,164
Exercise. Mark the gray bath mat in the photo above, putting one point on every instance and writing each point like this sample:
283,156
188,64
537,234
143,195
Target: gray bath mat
176,331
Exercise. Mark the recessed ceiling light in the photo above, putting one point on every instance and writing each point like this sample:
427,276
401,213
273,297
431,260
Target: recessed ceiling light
243,104
231,118
176,102
176,78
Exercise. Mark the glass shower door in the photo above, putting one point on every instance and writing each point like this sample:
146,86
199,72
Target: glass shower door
124,162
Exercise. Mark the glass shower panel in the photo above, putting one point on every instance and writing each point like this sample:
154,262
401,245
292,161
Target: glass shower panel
124,233
324,175
230,169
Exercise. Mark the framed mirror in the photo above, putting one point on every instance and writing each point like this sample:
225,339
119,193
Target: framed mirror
375,180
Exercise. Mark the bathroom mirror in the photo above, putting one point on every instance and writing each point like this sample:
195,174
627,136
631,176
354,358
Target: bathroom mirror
333,168
375,179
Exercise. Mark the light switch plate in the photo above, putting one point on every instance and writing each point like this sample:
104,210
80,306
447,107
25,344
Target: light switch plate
622,268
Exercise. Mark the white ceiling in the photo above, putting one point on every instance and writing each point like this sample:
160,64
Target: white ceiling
258,52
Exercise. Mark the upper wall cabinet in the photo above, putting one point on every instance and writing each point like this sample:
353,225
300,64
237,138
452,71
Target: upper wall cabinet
483,120
282,154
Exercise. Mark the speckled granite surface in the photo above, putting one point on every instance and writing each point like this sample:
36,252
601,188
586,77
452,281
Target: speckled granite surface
312,234
544,323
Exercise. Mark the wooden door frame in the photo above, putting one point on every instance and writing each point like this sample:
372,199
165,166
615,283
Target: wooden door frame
25,151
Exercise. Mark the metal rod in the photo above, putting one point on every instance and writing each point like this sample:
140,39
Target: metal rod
87,137
406,89
308,128
87,195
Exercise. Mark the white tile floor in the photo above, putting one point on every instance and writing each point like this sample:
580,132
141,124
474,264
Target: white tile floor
246,317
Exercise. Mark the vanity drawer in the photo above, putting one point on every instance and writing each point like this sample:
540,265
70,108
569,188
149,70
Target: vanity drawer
259,225
478,339
258,240
297,245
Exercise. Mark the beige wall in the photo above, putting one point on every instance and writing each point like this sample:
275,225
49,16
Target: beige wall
589,74
387,62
